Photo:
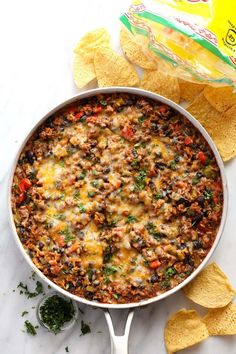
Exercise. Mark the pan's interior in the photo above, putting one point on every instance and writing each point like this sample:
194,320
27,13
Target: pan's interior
220,164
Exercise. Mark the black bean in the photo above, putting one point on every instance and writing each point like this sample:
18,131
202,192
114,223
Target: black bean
199,174
106,170
197,244
160,165
154,127
30,157
188,260
129,102
40,245
201,200
154,278
183,201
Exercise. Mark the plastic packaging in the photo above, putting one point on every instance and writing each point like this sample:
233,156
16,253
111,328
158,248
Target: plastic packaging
194,40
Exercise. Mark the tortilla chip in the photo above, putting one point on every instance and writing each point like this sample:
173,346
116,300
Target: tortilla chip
221,322
189,90
184,329
221,98
134,52
163,84
211,288
91,41
113,70
83,71
221,127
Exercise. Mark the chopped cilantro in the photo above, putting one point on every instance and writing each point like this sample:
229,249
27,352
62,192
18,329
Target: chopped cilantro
61,163
142,118
30,328
109,270
66,349
91,194
82,208
140,144
208,194
76,195
38,290
135,163
195,181
152,231
68,235
158,195
130,219
59,216
169,272
140,180
116,296
173,165
24,313
84,328
82,175
103,102
55,311
95,184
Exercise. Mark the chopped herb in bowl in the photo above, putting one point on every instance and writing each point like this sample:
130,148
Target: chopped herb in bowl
56,313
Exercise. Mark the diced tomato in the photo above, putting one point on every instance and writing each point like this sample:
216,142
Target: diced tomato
188,140
73,248
24,184
55,269
61,241
202,157
155,264
217,186
215,199
79,115
72,109
97,109
127,133
163,109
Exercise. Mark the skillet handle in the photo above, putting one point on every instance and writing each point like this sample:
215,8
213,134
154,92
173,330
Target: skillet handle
119,344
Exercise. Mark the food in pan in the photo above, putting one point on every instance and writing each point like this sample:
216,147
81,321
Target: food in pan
117,198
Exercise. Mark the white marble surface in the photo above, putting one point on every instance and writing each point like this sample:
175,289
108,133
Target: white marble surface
36,42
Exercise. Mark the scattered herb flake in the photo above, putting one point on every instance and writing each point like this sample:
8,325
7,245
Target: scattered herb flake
66,349
38,290
24,313
84,328
130,219
30,328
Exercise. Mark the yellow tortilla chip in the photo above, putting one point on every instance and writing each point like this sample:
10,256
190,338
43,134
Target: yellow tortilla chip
134,52
221,98
163,84
189,90
211,288
113,70
83,71
91,41
221,127
184,329
221,322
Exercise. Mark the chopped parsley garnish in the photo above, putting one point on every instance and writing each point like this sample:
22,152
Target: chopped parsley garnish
140,144
68,235
130,219
76,195
152,231
169,272
55,311
91,194
82,175
24,313
208,194
116,296
38,290
103,102
66,349
82,208
158,195
110,270
30,328
173,165
143,118
61,163
135,163
84,328
59,216
95,184
195,181
140,180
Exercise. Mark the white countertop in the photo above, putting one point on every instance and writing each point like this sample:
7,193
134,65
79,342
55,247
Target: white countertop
36,41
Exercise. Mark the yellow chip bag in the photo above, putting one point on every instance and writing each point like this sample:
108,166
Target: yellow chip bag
113,70
221,98
163,84
221,127
211,288
83,67
133,51
222,321
189,90
184,329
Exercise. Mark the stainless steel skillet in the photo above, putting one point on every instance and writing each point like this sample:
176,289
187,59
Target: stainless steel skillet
119,344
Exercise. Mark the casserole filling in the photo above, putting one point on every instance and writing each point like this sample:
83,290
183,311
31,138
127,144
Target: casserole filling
117,198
